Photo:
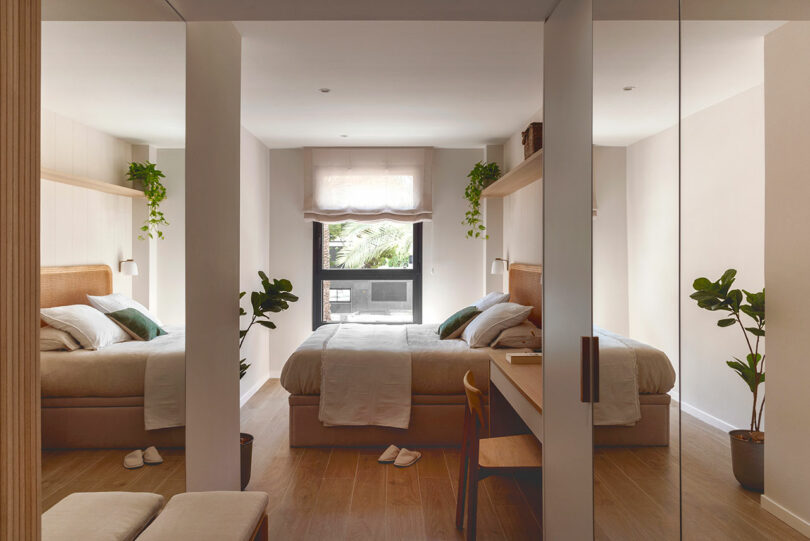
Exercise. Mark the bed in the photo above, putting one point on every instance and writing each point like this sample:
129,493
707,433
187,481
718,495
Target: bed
95,399
437,399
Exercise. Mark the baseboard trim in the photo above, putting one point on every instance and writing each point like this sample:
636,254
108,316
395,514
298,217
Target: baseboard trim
250,392
785,515
707,417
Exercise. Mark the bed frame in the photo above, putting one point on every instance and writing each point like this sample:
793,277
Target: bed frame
93,422
438,419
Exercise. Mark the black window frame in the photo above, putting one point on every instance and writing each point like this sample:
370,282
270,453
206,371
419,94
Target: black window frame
319,274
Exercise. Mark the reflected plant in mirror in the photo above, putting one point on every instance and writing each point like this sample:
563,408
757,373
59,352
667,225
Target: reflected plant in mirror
274,297
746,445
149,176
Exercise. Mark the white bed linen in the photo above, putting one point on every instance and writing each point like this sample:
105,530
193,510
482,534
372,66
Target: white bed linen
366,377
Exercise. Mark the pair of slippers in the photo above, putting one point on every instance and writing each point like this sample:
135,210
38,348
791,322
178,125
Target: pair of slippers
137,458
401,458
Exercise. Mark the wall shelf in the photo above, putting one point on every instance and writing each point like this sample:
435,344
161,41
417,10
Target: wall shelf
528,171
92,184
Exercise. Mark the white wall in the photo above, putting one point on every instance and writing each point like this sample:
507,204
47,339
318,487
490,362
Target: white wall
722,226
213,104
290,253
144,252
81,226
652,241
452,277
721,169
522,210
610,300
254,253
787,266
171,251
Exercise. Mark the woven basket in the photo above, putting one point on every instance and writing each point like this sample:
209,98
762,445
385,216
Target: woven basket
532,139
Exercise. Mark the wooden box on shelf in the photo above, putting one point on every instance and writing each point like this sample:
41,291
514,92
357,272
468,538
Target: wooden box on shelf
532,138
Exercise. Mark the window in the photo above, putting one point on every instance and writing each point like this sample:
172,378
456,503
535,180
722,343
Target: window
367,272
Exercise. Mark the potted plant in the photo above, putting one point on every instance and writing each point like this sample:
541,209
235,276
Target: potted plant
149,177
747,446
481,176
274,297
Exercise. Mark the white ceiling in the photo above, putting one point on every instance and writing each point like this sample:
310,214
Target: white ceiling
448,84
719,59
123,78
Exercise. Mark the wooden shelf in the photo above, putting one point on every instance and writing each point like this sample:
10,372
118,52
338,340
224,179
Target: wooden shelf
92,184
530,170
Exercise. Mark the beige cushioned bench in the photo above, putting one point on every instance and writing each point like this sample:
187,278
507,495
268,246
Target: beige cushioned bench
100,516
211,516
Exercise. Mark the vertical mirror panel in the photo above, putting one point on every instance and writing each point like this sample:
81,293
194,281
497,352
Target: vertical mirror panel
635,272
745,112
112,240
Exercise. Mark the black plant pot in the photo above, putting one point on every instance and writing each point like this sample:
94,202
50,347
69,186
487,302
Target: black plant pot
245,457
748,461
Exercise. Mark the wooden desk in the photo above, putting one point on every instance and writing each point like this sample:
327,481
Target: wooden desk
521,386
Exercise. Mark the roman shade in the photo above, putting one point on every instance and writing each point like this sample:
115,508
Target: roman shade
368,184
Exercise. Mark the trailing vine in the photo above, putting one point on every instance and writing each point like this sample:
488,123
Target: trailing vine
155,192
481,176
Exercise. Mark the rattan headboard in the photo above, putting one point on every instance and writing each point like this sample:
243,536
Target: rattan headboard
61,286
526,288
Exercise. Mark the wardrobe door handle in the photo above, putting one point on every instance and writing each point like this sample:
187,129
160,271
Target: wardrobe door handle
589,371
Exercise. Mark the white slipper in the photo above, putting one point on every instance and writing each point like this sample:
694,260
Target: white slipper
407,458
134,460
389,455
152,457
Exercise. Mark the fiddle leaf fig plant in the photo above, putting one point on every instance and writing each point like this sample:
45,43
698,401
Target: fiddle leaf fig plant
149,176
481,176
718,296
274,297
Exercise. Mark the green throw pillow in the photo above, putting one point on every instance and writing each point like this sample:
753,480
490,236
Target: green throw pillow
136,324
456,321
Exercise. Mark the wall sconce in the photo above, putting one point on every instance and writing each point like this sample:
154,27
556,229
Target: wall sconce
128,267
498,265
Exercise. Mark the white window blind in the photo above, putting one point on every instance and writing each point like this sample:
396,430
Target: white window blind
368,184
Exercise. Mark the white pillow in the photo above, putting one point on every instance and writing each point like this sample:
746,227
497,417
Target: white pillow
91,328
112,303
490,300
51,339
488,325
525,335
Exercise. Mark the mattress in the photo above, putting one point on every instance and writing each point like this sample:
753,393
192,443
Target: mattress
117,370
437,366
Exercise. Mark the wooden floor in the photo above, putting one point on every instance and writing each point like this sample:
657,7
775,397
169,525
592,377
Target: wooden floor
345,494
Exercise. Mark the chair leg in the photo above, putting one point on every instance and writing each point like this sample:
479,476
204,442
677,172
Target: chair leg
472,502
462,489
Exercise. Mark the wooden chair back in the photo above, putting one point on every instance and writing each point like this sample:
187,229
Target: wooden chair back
475,402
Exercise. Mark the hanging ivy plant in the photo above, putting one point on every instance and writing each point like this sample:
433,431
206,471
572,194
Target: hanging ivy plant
481,176
155,192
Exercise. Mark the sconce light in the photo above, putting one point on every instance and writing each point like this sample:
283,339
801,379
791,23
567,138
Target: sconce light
128,267
498,265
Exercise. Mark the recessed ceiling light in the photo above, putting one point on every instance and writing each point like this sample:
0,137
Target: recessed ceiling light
628,88
343,135
324,90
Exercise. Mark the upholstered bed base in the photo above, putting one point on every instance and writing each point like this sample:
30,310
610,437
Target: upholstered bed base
651,430
101,423
435,420
438,420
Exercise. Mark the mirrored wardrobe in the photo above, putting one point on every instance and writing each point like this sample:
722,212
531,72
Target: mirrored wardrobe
112,240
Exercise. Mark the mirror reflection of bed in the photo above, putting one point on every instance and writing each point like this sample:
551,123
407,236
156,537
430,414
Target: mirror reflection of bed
106,391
